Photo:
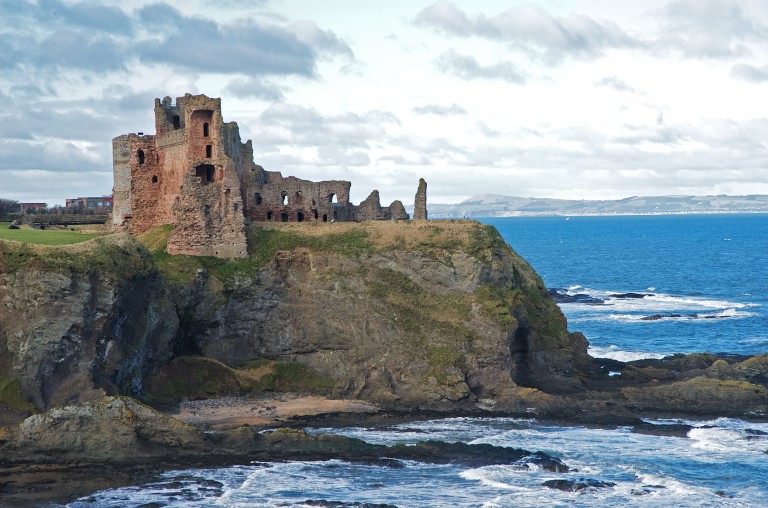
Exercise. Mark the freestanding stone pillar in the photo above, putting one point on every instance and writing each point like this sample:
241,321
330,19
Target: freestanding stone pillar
420,204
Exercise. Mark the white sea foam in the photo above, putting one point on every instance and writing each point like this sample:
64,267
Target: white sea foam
614,353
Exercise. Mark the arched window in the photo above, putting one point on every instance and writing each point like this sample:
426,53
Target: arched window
332,198
208,151
140,155
314,212
205,130
284,198
325,217
284,217
300,217
269,215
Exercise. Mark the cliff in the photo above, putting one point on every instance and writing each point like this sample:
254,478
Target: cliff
79,321
407,314
410,315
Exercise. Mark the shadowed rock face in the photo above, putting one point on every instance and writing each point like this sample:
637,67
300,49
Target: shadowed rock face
80,321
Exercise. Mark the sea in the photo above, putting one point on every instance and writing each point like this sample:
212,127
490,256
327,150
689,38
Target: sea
637,287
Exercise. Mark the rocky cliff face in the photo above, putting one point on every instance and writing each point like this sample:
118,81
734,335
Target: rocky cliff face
83,320
410,314
428,315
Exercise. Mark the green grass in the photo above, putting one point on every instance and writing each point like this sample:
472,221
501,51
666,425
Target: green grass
12,396
286,377
193,377
43,236
263,244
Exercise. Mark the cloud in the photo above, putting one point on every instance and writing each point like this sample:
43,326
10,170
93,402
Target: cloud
750,72
616,84
533,30
466,67
253,88
437,109
708,29
97,39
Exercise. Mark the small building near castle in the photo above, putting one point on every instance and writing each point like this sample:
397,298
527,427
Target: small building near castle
197,174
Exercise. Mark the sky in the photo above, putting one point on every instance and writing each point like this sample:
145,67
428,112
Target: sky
573,99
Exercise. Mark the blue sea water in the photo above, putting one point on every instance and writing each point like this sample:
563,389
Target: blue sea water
705,276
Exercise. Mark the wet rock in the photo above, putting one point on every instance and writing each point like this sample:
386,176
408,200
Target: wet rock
630,296
577,485
657,317
671,430
561,296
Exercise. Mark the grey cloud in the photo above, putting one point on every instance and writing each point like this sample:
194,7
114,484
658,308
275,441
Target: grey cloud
533,30
750,72
53,155
99,39
337,140
255,89
466,67
708,29
437,109
244,47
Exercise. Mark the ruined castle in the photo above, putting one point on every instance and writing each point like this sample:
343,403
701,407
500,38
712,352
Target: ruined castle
196,174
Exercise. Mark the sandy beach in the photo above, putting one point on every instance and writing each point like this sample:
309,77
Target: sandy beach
231,412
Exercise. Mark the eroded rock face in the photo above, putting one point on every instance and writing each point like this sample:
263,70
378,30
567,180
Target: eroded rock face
80,321
403,326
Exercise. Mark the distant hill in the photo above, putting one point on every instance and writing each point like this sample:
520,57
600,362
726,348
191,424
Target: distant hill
497,205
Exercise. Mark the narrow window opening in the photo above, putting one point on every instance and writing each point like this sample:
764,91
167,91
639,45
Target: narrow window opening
176,122
300,217
314,212
257,198
332,198
208,151
205,129
207,210
284,198
269,215
284,217
154,178
140,155
314,204
235,206
325,217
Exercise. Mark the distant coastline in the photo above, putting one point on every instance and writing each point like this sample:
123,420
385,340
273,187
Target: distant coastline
496,205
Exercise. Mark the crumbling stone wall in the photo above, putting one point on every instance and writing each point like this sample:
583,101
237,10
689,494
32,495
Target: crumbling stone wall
420,203
371,209
271,197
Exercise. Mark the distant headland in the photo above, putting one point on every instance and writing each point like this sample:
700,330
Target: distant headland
497,205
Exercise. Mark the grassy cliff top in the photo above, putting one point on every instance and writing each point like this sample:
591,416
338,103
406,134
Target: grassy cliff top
116,256
27,234
438,240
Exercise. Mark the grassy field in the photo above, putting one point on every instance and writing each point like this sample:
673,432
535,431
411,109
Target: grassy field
43,237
